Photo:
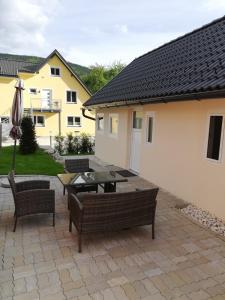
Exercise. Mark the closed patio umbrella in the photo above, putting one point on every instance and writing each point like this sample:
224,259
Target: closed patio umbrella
17,113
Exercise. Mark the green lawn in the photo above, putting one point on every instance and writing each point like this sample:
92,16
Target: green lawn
37,163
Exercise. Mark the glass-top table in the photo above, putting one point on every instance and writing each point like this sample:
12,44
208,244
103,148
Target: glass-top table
107,179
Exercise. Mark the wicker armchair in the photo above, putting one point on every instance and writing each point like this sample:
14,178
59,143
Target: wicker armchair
112,211
32,197
79,166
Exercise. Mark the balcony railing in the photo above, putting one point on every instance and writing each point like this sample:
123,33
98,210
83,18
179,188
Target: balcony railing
48,105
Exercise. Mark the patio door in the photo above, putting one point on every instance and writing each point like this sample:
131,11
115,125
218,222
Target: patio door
46,96
136,141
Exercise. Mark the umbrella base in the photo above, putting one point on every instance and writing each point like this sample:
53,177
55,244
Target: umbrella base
4,183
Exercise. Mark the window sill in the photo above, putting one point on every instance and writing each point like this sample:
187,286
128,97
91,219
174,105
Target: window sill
73,125
71,102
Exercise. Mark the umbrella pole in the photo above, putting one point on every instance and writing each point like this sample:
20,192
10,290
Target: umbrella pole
14,157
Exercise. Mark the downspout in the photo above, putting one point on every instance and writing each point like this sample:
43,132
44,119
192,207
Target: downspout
87,117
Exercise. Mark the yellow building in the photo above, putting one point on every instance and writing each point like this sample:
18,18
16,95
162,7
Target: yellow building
53,95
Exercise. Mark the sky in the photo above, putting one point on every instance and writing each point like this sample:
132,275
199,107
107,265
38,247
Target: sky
99,31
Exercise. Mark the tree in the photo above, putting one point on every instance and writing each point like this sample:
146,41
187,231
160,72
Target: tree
101,75
28,142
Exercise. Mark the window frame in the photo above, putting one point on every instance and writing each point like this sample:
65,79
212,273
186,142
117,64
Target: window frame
54,67
67,102
4,117
100,115
31,93
220,159
150,114
115,135
73,121
39,124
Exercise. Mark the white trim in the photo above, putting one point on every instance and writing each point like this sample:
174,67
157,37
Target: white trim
68,90
100,115
39,124
220,160
114,135
149,114
55,67
73,121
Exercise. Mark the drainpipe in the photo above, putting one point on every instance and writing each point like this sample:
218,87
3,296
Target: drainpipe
59,123
84,115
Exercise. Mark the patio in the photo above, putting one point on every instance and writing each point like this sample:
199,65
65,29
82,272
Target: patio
185,261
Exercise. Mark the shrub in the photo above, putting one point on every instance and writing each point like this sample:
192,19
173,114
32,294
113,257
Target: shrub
76,145
86,145
59,145
28,142
69,143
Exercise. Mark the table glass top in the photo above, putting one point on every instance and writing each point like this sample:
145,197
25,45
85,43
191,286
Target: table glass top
90,177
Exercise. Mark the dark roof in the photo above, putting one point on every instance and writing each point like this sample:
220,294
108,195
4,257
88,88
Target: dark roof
191,64
11,67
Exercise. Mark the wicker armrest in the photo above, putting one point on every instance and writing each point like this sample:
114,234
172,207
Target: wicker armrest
32,185
77,202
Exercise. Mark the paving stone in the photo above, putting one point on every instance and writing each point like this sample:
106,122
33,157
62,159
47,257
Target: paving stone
199,295
38,261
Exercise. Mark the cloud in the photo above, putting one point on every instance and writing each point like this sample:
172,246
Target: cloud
122,49
122,28
23,24
214,5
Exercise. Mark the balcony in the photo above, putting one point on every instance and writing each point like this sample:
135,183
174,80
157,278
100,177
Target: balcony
45,105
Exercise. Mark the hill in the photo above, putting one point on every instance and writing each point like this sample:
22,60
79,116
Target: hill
78,69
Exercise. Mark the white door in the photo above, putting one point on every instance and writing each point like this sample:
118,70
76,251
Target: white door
46,96
136,141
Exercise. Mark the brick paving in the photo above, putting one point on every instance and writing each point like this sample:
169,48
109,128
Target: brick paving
185,261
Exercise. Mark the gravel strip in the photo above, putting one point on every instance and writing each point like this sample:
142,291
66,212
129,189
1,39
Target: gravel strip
205,218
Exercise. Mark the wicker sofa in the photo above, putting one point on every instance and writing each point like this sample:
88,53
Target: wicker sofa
112,211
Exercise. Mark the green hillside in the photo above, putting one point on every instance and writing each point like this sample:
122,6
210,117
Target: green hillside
78,69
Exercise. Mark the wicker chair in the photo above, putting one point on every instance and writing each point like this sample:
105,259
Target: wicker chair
112,211
79,166
32,197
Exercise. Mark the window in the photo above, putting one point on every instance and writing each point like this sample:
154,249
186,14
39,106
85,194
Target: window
4,120
71,97
39,121
113,124
214,137
55,71
73,121
100,122
33,91
149,128
137,119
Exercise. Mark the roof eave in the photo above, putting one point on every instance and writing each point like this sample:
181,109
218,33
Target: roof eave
156,100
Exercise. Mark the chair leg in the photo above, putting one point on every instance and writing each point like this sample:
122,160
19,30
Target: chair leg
64,190
153,230
79,243
14,228
70,225
53,219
